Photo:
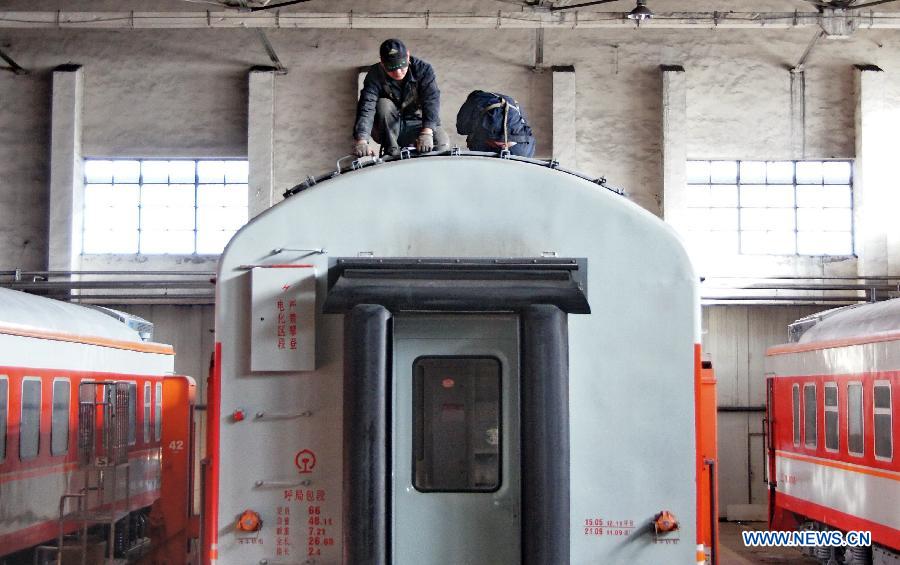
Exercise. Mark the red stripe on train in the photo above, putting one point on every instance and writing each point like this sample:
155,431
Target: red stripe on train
211,537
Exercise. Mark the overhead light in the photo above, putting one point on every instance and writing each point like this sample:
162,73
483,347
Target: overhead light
641,12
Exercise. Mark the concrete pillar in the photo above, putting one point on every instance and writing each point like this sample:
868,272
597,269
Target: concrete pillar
261,140
360,79
798,113
674,145
66,170
564,117
874,178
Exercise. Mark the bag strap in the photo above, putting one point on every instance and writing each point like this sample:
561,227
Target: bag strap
506,106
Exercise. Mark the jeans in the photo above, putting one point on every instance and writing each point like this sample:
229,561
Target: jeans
393,131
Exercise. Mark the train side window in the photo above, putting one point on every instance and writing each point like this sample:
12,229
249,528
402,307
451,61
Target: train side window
881,393
855,443
132,412
4,408
810,437
456,424
795,397
148,399
157,419
59,417
831,417
30,427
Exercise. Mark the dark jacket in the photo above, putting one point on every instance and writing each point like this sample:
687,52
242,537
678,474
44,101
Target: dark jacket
417,96
481,119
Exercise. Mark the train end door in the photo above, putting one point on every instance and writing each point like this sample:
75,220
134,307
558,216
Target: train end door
456,422
455,459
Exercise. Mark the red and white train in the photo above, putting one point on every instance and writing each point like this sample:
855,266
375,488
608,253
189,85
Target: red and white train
81,409
833,429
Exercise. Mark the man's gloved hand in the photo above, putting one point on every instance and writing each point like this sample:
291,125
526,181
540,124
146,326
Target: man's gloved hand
361,148
425,142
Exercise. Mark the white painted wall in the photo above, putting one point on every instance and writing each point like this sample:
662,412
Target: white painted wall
735,339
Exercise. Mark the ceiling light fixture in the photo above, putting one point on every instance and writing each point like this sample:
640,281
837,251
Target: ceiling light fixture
641,12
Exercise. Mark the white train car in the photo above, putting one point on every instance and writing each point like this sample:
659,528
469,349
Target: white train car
64,371
414,365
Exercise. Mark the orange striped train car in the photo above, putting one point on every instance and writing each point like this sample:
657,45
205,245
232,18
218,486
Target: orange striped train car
80,425
833,429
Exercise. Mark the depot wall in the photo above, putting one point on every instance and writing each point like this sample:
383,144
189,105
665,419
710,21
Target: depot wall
184,93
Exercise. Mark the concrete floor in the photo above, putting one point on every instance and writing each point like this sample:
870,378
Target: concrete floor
733,552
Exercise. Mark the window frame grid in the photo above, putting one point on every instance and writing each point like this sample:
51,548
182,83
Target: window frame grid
140,206
40,412
814,445
793,185
157,412
65,420
796,418
4,416
131,416
862,417
876,411
148,410
834,409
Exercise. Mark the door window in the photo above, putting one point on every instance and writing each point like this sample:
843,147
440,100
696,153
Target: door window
456,428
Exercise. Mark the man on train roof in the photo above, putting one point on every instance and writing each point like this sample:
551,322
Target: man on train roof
399,105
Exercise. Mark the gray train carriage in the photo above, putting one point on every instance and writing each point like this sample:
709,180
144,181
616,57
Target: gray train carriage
454,359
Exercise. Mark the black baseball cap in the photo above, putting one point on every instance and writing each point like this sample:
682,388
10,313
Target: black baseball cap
393,54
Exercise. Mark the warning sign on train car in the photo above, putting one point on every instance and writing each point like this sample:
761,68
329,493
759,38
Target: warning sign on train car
283,336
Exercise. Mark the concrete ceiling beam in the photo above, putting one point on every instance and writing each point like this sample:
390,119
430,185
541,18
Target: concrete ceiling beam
857,19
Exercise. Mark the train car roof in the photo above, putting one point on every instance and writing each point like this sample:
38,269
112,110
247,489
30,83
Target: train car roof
19,309
856,321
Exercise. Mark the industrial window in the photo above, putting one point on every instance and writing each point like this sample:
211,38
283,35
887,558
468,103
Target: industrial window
771,207
155,206
157,420
59,418
148,402
456,427
30,427
795,394
132,413
831,417
4,409
855,442
882,412
809,416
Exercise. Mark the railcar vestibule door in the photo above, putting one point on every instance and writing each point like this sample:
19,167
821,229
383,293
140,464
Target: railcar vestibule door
456,421
455,484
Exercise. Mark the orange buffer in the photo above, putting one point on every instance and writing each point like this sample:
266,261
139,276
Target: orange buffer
707,460
172,520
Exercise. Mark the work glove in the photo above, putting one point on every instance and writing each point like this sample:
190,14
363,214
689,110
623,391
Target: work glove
362,149
425,142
